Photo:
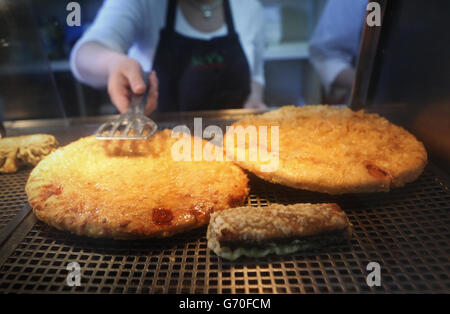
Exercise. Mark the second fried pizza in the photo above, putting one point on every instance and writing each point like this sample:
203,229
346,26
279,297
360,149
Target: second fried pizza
332,150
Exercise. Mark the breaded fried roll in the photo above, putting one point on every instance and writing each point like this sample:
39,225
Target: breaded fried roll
276,229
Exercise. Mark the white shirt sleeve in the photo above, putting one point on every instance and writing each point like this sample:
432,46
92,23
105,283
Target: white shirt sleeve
334,45
116,26
259,42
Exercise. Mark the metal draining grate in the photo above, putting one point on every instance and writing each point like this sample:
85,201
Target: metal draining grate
407,231
12,195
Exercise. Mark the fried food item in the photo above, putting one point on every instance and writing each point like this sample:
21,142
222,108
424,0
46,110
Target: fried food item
131,189
333,150
276,229
22,151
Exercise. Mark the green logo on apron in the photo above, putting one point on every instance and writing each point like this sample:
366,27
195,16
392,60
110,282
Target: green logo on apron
212,58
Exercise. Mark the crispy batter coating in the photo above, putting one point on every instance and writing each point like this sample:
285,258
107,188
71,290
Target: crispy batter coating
276,222
22,151
260,231
131,189
337,150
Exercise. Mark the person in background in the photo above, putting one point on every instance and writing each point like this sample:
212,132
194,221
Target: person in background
334,46
204,54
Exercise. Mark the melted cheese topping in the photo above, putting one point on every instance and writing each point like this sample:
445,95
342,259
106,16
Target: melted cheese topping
131,189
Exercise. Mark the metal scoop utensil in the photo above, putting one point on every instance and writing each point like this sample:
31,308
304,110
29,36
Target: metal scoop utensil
132,125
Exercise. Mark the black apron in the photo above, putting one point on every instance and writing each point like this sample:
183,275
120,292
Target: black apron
199,74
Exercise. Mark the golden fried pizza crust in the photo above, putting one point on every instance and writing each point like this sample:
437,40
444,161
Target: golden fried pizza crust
131,189
22,151
336,150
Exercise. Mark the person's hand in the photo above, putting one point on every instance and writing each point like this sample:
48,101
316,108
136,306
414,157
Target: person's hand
125,78
345,78
253,105
255,99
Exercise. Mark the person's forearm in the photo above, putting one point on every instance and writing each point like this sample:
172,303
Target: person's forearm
256,94
345,79
95,62
256,98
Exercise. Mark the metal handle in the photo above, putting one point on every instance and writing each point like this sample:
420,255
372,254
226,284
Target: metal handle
138,102
2,130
